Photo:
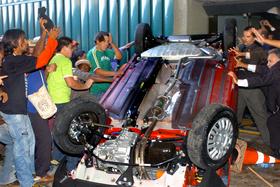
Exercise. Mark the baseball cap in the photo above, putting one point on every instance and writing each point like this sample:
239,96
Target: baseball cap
82,61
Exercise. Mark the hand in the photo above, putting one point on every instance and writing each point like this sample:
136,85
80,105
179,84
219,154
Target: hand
233,76
3,97
54,33
42,26
51,68
118,74
259,38
236,52
122,68
266,23
262,23
1,79
110,38
240,64
88,83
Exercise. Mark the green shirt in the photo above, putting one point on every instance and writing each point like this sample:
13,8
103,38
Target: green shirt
100,59
58,89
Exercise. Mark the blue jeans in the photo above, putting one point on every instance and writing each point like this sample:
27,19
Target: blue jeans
7,175
22,135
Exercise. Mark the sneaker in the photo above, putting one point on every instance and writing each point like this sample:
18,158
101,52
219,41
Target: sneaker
44,179
11,181
13,184
54,162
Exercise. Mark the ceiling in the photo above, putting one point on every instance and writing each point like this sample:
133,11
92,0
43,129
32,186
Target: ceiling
235,7
244,1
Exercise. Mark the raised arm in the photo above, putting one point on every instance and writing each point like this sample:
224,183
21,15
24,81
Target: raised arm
39,47
115,48
262,40
45,56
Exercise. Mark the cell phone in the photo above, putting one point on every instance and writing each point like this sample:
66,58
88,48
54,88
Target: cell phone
42,14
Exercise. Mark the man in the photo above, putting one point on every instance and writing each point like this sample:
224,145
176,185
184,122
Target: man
14,112
60,83
253,98
100,58
8,173
268,79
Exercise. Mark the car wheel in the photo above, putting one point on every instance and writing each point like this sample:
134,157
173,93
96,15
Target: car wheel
143,38
229,34
213,136
73,125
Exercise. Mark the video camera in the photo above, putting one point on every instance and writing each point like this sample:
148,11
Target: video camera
42,14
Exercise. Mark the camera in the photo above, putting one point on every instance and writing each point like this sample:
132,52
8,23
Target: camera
42,14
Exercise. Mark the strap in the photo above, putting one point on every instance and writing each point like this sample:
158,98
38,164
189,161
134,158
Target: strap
42,78
26,84
95,58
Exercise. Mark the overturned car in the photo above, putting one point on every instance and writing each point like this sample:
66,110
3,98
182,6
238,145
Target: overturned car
172,115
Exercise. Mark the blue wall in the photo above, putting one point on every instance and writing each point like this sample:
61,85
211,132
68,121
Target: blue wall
81,19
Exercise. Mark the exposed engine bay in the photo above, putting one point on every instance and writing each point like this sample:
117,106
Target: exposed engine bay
118,159
167,112
132,154
114,153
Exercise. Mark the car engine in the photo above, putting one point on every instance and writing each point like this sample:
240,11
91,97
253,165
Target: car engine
122,150
117,150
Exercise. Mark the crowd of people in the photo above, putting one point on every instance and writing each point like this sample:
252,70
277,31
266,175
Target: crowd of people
30,152
31,155
258,77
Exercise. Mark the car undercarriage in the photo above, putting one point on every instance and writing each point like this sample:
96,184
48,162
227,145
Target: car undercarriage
171,117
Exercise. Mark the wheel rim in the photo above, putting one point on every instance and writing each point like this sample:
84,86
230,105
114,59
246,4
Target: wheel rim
219,139
80,127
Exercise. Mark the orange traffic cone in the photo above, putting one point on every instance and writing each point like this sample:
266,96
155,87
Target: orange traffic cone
249,156
253,156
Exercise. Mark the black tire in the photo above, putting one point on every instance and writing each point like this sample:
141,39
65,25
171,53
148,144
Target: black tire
198,137
229,34
80,111
143,38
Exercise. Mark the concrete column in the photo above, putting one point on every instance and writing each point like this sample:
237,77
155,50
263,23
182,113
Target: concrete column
189,17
